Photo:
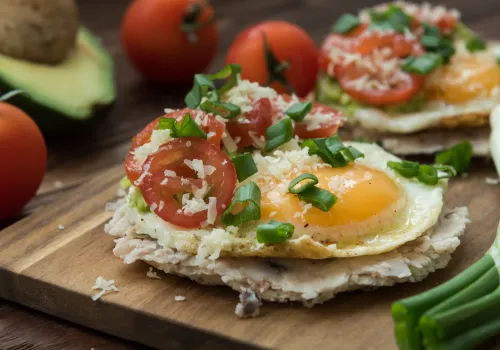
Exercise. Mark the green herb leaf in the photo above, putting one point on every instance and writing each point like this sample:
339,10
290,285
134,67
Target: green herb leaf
299,110
249,197
188,127
274,232
306,185
475,44
346,23
458,156
332,151
201,86
394,18
422,65
318,197
232,71
224,109
405,167
244,165
278,134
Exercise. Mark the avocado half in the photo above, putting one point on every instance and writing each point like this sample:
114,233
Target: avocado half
66,96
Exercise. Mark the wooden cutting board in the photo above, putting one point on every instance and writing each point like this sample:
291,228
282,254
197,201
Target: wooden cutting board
53,270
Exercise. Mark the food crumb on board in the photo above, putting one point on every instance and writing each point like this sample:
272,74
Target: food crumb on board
492,181
180,298
152,274
60,227
58,184
104,286
249,305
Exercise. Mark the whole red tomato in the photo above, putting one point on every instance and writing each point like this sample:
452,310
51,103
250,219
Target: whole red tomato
278,52
23,156
168,41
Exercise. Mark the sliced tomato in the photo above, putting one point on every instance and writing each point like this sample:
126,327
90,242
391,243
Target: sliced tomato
160,191
327,128
407,86
260,118
399,45
208,123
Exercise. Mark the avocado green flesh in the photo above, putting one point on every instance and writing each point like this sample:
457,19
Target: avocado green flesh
137,201
329,91
76,89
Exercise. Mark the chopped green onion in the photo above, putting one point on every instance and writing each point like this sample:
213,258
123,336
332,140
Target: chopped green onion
445,171
249,197
188,127
346,23
427,174
232,71
278,134
225,110
422,65
202,84
274,232
475,44
458,156
298,111
394,18
405,167
318,197
332,151
125,183
244,165
299,179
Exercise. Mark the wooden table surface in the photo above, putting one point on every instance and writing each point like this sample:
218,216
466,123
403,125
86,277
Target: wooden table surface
73,161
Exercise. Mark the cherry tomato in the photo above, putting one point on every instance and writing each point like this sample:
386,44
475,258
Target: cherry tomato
209,124
446,22
170,41
289,44
260,118
161,195
24,159
328,128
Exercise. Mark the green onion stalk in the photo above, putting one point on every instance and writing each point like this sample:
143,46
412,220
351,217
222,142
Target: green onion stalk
463,312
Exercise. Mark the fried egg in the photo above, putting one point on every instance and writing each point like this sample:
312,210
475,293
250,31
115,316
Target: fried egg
461,93
377,210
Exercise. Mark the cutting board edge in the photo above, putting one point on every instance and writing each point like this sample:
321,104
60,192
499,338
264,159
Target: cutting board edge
43,297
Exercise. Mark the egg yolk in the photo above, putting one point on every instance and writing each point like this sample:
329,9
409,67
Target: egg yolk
362,193
465,78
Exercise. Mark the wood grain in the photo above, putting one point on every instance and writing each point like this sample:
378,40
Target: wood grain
73,161
53,270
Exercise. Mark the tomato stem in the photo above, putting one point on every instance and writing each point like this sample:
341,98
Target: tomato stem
190,22
275,68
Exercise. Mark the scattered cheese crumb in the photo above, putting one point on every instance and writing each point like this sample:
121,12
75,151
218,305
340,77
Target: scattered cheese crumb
492,181
152,274
273,213
60,227
104,286
180,298
58,184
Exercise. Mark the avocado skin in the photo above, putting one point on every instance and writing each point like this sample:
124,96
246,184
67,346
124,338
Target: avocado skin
52,122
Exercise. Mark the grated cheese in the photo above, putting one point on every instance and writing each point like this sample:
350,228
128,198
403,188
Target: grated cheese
212,210
158,138
104,286
245,92
492,181
145,173
152,274
60,227
180,298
